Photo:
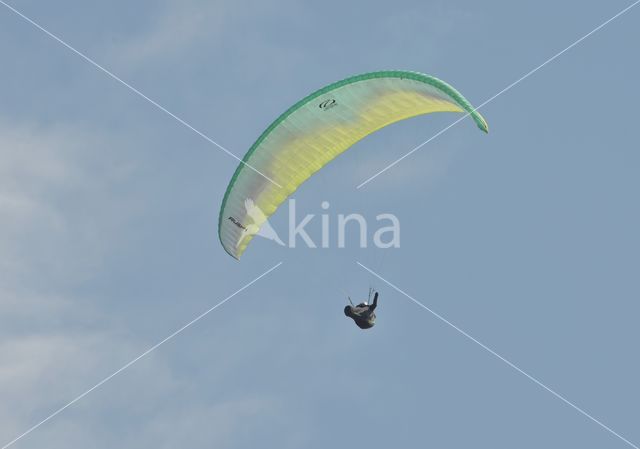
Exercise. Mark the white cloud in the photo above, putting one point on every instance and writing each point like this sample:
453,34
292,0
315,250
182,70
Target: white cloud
55,198
168,33
54,186
179,27
40,373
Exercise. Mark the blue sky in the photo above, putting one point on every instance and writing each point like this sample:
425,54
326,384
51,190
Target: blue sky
526,238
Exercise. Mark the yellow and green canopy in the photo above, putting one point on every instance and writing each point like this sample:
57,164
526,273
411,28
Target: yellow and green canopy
315,131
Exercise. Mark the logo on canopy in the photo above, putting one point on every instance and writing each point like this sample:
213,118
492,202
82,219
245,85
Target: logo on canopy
328,104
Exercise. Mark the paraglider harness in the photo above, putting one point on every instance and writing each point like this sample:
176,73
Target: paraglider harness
363,314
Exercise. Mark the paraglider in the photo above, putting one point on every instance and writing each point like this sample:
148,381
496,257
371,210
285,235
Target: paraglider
316,130
363,314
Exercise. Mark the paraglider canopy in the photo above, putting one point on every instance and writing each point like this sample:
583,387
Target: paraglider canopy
315,131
